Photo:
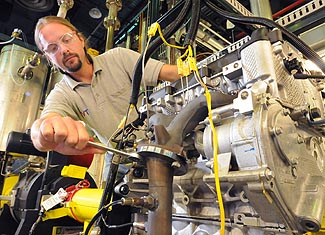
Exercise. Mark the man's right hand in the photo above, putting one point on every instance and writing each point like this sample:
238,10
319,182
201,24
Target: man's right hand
61,134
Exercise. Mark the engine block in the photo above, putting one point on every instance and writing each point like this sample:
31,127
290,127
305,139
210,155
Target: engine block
270,144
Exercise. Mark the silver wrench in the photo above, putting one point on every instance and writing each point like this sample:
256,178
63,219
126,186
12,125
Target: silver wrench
104,147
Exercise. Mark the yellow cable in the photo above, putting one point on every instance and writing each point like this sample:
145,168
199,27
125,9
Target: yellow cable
185,54
122,122
192,64
152,31
215,164
215,146
164,40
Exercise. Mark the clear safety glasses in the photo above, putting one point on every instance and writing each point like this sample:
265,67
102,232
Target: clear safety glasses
65,39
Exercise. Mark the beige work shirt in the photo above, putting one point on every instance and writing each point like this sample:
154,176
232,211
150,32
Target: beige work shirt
103,103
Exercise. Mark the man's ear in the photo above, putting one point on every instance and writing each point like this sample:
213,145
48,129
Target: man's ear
83,42
49,62
82,39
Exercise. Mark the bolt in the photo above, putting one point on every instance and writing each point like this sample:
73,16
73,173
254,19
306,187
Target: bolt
269,175
294,171
176,164
294,161
124,189
185,200
244,95
278,130
286,112
300,139
138,172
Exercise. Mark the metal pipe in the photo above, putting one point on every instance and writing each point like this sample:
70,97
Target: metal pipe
111,22
261,8
214,32
128,41
207,40
154,7
26,71
65,5
160,175
109,38
142,33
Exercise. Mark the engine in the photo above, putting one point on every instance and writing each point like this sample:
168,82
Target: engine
235,146
269,128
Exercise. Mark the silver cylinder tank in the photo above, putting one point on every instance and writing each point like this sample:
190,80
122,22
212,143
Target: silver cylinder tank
19,98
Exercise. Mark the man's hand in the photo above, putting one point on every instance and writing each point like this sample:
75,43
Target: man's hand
61,134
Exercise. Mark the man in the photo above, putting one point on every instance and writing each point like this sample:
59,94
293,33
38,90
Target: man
94,90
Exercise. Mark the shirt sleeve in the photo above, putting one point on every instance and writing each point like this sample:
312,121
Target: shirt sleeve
58,101
129,59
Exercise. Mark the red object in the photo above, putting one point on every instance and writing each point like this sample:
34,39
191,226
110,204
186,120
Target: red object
288,8
81,160
71,190
277,14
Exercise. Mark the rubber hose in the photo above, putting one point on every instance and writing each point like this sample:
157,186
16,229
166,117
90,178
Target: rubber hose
293,39
195,20
137,75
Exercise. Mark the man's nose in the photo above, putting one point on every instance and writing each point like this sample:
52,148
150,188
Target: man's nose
63,48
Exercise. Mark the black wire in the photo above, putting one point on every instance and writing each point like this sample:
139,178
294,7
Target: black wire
308,76
32,229
99,213
42,187
116,226
170,30
38,220
194,25
136,109
320,122
125,121
292,38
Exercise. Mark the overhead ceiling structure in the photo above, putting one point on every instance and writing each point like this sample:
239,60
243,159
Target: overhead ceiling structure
89,16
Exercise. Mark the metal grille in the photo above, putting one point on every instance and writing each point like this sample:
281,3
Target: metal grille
301,12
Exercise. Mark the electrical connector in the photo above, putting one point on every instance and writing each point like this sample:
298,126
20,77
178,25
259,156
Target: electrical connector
153,29
183,67
192,63
16,33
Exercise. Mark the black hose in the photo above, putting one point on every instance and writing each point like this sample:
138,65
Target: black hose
308,76
98,214
137,75
292,38
109,187
195,20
